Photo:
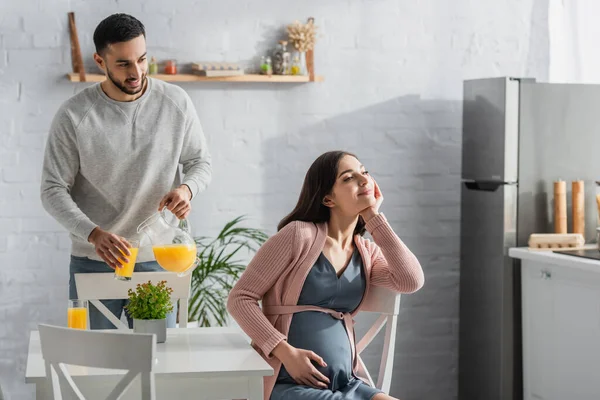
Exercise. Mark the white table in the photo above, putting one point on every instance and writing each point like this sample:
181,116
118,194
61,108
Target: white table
194,363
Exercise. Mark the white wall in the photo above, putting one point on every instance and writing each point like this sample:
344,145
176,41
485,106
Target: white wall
392,93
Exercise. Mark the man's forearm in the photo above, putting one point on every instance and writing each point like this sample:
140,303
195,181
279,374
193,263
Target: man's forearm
197,175
59,204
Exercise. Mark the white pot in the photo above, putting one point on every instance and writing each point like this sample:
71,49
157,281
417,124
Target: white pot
192,324
155,326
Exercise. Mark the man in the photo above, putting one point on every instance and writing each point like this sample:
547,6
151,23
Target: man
112,158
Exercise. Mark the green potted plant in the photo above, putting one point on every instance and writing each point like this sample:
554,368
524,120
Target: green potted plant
220,266
149,306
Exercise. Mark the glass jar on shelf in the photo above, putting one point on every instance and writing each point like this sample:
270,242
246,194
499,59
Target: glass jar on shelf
153,67
281,59
296,67
171,67
266,67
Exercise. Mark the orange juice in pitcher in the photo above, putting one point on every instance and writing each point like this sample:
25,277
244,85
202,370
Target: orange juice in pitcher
175,257
172,244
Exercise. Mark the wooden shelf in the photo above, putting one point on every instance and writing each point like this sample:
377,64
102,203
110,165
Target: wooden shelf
79,74
74,77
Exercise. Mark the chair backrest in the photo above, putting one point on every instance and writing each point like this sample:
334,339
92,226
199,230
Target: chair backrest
102,286
386,303
97,349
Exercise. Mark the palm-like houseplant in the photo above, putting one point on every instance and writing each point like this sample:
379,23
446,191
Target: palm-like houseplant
220,266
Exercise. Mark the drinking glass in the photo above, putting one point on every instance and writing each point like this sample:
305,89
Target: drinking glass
77,314
124,272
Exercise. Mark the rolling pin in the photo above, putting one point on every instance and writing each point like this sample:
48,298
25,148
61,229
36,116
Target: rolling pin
560,206
598,202
598,205
578,206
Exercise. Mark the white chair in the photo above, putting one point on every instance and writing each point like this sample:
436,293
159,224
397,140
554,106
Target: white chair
97,349
386,303
102,286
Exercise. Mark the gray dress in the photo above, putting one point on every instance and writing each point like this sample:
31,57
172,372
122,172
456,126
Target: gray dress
325,335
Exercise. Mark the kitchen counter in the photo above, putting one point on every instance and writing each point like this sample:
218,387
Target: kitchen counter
561,260
560,305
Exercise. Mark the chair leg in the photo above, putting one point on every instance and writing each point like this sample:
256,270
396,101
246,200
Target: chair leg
384,381
148,386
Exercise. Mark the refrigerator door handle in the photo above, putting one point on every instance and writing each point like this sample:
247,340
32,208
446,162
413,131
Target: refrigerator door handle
485,185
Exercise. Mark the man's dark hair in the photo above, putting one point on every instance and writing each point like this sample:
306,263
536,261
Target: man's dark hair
117,28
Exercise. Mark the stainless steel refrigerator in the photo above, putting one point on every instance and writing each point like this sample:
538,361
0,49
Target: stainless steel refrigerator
519,136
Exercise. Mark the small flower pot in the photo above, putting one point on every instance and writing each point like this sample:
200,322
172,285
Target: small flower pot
156,326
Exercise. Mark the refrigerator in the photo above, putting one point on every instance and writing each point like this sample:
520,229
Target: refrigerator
518,137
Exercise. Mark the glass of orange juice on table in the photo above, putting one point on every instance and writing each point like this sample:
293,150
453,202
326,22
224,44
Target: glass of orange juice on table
124,272
77,314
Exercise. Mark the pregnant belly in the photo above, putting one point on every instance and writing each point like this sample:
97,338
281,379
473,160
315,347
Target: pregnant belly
327,337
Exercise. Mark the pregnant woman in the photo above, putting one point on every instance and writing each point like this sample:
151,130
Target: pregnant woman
312,277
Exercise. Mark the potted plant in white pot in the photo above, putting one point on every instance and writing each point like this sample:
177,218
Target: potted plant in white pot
149,306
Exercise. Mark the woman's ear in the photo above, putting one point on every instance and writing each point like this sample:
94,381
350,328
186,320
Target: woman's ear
328,201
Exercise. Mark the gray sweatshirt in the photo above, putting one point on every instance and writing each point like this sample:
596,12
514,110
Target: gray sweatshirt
109,163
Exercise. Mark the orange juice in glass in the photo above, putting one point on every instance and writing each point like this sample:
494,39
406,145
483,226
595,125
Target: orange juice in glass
77,314
124,272
175,257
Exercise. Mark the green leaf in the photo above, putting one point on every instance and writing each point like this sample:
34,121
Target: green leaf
150,301
218,271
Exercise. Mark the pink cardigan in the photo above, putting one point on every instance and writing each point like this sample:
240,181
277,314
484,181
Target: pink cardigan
277,272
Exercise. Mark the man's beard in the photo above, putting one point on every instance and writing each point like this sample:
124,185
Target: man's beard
123,88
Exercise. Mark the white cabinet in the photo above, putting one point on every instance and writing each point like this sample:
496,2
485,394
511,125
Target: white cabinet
537,318
561,331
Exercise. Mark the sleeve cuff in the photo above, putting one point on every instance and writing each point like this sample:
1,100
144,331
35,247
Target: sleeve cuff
84,228
269,345
193,187
375,222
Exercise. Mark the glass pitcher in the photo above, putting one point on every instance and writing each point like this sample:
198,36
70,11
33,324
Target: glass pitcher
171,241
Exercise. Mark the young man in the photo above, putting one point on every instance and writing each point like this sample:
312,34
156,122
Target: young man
112,157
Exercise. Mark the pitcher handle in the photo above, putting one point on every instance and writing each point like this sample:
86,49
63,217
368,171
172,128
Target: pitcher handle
183,224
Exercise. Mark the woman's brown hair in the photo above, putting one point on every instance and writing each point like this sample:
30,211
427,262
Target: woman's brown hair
318,183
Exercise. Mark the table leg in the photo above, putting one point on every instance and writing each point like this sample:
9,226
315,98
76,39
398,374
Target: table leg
255,388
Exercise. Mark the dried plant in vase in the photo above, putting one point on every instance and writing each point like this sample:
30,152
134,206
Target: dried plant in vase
302,37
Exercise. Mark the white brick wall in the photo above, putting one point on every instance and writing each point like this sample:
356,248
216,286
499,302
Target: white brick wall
393,70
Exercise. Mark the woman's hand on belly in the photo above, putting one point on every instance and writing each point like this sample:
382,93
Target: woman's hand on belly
298,363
